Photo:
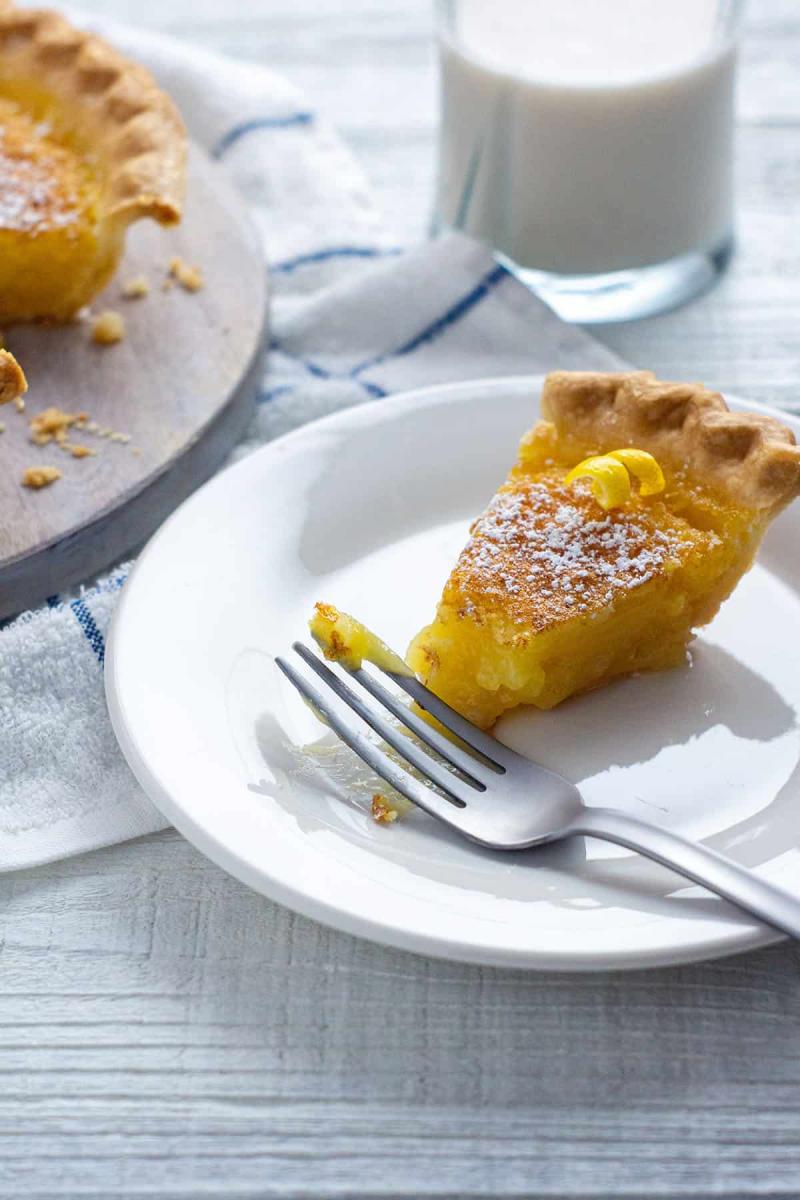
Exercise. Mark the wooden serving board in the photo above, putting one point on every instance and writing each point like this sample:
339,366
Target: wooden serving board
182,384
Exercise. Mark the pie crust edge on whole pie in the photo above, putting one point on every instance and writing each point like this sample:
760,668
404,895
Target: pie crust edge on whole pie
125,133
126,116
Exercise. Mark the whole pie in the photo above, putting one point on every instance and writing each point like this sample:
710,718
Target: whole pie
88,144
632,511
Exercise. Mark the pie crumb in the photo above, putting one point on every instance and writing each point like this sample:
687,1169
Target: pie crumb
19,404
53,424
39,477
78,451
108,328
13,383
136,288
190,278
2,426
382,812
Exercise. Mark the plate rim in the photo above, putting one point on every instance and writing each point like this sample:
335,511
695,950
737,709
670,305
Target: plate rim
734,939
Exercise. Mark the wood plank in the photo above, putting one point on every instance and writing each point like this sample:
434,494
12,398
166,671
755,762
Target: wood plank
164,1031
179,388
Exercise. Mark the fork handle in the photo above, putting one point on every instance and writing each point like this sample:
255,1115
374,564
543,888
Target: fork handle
697,862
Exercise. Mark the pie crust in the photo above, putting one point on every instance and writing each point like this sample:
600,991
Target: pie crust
12,378
749,458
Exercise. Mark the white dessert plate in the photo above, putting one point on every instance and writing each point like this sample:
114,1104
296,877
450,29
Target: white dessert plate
368,509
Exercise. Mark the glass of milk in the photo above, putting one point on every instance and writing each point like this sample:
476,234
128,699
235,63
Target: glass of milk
590,142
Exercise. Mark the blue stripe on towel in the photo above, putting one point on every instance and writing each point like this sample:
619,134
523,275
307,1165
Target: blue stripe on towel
436,328
287,266
372,389
290,121
87,623
272,393
307,364
112,584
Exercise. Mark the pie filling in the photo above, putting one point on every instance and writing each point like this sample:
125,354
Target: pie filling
53,248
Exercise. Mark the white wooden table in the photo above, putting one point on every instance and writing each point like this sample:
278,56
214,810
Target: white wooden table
165,1032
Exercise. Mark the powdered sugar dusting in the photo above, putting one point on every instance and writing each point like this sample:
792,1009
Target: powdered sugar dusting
34,192
544,552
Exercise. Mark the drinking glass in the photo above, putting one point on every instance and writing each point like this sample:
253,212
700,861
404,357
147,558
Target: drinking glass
591,145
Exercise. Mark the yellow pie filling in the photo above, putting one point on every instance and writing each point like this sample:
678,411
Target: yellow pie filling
344,639
55,251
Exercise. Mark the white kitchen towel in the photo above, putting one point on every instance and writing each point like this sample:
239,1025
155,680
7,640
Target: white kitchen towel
354,320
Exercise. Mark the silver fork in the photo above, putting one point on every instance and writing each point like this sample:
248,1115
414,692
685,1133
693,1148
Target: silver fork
497,798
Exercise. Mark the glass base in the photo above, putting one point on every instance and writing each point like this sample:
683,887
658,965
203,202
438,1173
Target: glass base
627,295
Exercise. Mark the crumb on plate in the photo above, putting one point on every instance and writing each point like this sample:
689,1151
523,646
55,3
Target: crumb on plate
382,811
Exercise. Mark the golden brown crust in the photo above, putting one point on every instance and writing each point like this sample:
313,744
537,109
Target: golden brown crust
114,104
751,458
12,378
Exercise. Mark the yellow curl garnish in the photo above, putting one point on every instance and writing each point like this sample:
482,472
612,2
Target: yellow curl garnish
644,467
611,476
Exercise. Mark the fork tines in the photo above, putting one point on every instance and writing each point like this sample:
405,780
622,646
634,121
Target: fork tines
473,760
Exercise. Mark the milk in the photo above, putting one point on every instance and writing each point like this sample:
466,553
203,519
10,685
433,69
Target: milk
582,137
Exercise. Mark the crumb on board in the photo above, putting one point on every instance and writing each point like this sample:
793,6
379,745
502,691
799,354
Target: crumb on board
190,278
40,477
19,404
2,426
382,811
136,288
53,425
13,383
108,328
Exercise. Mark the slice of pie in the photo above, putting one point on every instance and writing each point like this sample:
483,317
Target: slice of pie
88,144
580,571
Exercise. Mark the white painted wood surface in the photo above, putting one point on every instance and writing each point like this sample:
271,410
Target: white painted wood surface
166,1033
